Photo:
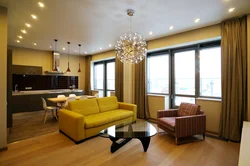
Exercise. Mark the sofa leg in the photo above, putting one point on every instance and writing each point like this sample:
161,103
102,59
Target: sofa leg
204,136
176,140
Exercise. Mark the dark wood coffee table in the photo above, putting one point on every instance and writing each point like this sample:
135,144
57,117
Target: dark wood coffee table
142,131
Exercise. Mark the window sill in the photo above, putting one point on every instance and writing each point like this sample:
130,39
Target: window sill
208,99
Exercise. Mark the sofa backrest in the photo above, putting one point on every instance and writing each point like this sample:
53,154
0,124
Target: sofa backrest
188,109
84,107
107,103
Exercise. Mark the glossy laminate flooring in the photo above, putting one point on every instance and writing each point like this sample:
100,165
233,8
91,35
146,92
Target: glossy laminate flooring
56,149
30,124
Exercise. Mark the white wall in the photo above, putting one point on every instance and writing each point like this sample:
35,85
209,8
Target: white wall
3,74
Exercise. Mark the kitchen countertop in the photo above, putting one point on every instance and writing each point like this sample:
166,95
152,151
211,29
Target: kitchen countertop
34,92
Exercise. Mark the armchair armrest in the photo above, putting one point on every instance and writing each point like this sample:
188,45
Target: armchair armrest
190,125
130,107
167,113
72,124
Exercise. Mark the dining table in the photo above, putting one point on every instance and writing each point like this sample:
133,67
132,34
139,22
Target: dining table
63,99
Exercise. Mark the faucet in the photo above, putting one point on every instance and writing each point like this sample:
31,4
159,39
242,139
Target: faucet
16,90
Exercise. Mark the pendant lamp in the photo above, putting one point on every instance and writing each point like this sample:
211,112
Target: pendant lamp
79,70
68,70
55,65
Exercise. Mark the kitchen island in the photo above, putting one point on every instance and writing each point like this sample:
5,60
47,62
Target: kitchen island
26,101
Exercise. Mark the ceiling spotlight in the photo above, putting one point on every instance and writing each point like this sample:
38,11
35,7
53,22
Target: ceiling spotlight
50,47
18,41
86,52
24,31
231,9
41,4
197,20
171,27
34,44
63,48
20,37
100,48
150,32
33,16
110,45
75,50
27,25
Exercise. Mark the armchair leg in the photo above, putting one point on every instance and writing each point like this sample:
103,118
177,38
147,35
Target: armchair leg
176,140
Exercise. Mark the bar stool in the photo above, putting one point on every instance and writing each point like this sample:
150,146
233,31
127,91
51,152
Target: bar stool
46,109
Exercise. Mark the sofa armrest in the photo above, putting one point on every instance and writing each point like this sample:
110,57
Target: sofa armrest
190,125
130,107
167,113
72,124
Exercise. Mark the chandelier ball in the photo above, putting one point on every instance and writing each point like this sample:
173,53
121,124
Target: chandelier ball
131,48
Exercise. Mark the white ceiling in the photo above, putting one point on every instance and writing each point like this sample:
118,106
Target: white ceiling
98,23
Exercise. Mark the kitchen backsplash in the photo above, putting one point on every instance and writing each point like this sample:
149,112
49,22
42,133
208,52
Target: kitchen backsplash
43,82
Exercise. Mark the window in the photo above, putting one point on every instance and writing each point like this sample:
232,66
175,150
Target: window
104,77
158,74
185,73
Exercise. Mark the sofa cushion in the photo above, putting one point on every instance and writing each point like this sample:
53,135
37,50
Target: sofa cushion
168,122
107,103
103,118
187,109
84,107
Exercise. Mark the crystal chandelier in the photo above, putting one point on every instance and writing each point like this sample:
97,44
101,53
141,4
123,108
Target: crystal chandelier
131,47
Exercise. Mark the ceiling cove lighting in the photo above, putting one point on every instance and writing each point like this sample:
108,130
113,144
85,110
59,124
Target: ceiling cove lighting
231,9
79,70
171,27
34,16
20,37
197,20
28,25
131,47
24,31
41,4
68,69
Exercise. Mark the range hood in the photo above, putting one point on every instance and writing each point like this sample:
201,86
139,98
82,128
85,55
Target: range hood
55,64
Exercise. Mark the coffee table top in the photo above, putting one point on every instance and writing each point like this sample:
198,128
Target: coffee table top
135,130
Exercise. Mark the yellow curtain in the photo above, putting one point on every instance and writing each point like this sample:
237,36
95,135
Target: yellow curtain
119,79
234,78
140,90
87,89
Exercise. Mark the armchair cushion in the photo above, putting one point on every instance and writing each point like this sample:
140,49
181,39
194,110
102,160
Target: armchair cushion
168,122
188,109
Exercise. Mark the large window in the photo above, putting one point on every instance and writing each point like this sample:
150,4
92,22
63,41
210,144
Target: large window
104,77
185,73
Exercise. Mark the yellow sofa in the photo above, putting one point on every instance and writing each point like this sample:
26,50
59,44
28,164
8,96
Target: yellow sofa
86,118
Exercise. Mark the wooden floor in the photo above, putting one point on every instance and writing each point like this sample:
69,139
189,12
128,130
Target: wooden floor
56,149
30,124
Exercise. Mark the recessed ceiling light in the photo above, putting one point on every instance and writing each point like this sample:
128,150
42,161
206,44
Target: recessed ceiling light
150,32
50,47
20,37
18,41
197,20
27,25
33,16
110,45
40,4
100,48
24,31
34,44
63,48
75,50
231,9
86,52
171,27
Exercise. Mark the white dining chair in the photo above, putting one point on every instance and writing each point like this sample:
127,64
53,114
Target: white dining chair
48,108
60,104
84,97
72,95
67,101
96,95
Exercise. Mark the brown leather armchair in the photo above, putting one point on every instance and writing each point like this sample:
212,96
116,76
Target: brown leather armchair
186,121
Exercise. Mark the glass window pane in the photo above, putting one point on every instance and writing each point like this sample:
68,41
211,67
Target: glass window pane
210,72
158,74
98,77
178,100
111,76
185,72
